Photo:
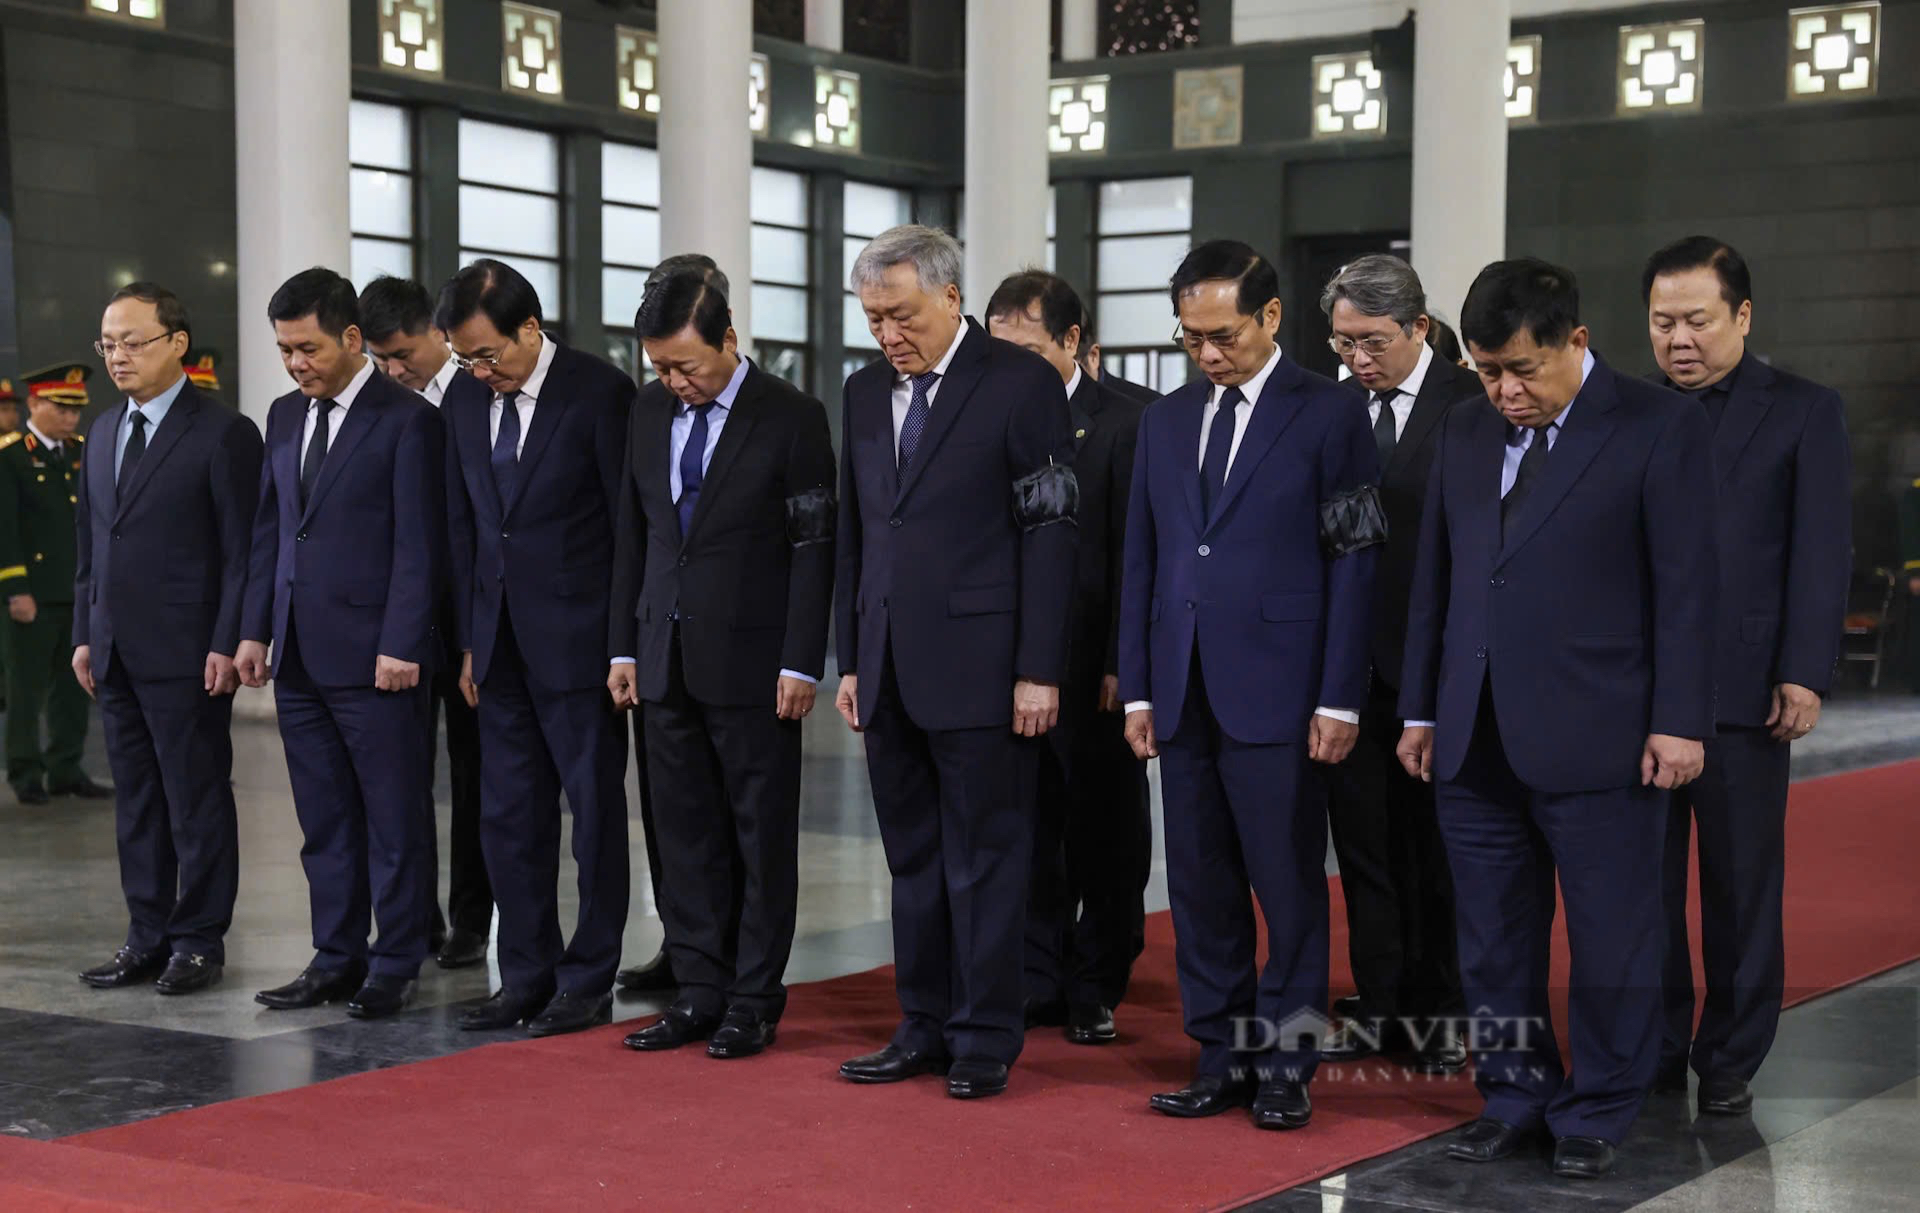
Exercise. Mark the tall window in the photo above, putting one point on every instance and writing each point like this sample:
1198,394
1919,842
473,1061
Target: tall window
780,279
510,203
869,210
380,190
629,244
1143,230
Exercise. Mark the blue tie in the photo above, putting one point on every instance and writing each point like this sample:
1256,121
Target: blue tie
1213,467
915,422
506,450
693,459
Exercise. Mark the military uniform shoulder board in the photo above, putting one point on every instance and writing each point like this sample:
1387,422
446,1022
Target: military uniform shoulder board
7,440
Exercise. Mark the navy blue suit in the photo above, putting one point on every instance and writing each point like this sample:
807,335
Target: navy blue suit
1786,544
945,597
161,573
351,575
1236,623
1547,657
532,578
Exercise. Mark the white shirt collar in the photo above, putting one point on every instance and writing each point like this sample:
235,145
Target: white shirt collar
1073,384
530,390
44,440
1252,388
726,396
1412,384
940,368
442,378
351,392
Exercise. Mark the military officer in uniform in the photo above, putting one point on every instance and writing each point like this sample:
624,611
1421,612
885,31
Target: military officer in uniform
38,468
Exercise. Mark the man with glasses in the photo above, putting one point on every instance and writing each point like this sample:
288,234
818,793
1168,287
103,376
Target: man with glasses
167,496
1393,869
1252,533
38,470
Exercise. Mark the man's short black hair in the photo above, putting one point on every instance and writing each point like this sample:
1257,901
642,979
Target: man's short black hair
320,293
1060,306
1701,252
1524,293
679,299
167,307
1227,261
393,307
490,287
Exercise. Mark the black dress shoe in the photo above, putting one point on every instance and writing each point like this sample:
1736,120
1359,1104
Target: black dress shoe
505,1009
976,1078
380,996
83,787
1282,1105
463,950
1671,1077
1347,1007
313,987
30,793
1487,1139
1090,1024
1046,1013
894,1064
653,977
1724,1097
743,1033
127,968
1582,1158
437,933
679,1026
572,1012
1351,1041
1208,1096
1443,1053
187,973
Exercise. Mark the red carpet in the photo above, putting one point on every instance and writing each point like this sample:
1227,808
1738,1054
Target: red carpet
579,1122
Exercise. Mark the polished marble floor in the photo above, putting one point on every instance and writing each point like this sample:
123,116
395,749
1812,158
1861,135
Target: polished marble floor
1837,1125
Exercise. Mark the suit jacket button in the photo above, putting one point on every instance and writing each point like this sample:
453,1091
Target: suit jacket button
1480,653
683,562
1205,550
116,534
1189,604
506,534
1497,582
301,536
893,522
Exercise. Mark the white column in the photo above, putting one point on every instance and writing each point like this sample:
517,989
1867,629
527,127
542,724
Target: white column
1006,111
291,84
706,147
1459,144
1079,30
826,25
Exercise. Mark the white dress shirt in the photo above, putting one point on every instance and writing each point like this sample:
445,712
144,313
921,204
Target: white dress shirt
903,388
341,403
1403,402
529,396
1073,384
1251,389
436,389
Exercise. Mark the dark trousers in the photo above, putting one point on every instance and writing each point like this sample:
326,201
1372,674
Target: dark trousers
536,744
1393,870
170,748
1242,817
955,810
40,682
1506,842
357,760
729,822
1092,854
1739,807
469,895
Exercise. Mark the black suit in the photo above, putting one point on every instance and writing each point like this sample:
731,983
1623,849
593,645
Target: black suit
947,595
161,574
1784,474
1393,867
1127,388
712,618
1093,839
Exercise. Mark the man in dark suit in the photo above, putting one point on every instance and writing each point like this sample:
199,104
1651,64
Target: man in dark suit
396,316
536,440
1785,480
1561,635
956,550
1093,833
167,498
349,544
1252,535
723,577
1393,868
1088,358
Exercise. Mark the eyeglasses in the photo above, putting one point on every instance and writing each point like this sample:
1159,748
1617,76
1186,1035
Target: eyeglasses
1193,343
488,362
1374,346
107,349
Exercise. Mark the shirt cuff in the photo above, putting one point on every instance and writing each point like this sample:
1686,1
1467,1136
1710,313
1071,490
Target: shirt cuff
1420,724
802,677
1340,714
1140,705
623,661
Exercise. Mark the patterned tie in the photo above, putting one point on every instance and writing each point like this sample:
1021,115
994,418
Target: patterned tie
1384,437
136,447
506,449
693,460
316,452
1531,465
915,423
1213,467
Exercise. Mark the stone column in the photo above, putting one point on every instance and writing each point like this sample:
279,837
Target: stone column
1079,30
1006,154
1459,145
706,147
826,25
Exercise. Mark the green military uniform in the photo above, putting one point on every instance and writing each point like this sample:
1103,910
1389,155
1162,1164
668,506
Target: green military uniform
38,495
1910,570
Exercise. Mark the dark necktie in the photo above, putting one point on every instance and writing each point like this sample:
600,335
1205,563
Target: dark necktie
316,452
915,422
1532,464
506,449
1213,465
693,461
1714,400
136,447
1384,436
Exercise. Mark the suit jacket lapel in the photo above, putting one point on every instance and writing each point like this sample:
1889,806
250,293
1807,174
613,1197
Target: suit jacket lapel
362,416
1082,407
740,419
1186,430
101,490
546,419
963,375
1428,407
1278,405
1746,408
1581,438
174,424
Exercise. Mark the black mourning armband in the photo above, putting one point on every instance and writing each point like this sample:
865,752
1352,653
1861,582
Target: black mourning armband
1352,521
1046,496
810,517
